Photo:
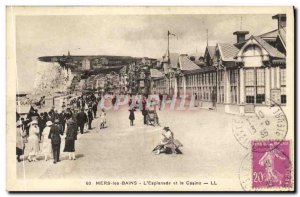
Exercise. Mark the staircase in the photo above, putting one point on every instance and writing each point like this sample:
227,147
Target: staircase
75,83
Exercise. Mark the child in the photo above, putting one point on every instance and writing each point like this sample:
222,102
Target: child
102,119
131,115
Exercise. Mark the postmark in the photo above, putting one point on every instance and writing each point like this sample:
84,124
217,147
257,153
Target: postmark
267,123
267,169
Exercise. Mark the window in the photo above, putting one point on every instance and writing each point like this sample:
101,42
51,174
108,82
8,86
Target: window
255,85
194,80
207,78
260,85
234,81
249,84
249,94
206,90
220,96
283,85
214,79
187,81
200,94
200,79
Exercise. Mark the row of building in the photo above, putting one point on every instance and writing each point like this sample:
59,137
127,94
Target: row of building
237,78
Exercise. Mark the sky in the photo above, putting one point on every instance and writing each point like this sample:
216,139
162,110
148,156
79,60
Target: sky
130,35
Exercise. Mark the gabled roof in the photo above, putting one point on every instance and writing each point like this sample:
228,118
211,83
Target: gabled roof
282,36
269,48
227,51
186,64
210,50
270,34
275,34
155,73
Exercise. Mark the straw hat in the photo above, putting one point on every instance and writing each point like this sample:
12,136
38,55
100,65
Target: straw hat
48,123
34,122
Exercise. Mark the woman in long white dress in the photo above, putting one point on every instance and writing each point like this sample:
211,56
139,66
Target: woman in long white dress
33,141
47,147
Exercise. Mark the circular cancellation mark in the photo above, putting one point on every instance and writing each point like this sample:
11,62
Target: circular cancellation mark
267,123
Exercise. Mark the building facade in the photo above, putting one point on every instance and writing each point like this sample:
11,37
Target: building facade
236,78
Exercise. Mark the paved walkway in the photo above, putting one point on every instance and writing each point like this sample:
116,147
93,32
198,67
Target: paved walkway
121,150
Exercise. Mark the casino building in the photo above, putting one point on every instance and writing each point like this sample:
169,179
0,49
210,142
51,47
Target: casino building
236,78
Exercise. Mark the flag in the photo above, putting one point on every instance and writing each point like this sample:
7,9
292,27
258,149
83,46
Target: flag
169,33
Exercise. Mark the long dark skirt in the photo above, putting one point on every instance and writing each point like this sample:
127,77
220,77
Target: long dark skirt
19,151
69,146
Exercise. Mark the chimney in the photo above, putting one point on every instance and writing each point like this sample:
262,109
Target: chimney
240,36
281,20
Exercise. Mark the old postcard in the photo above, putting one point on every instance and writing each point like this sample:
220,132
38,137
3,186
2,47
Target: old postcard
150,99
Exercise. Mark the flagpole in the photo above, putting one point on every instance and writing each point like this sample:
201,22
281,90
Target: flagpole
206,37
168,47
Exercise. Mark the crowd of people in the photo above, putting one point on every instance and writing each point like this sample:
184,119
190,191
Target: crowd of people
42,132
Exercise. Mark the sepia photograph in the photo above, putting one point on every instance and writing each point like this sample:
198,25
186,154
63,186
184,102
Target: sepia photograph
150,99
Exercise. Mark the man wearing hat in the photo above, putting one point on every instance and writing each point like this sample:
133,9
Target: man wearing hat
90,117
62,119
54,135
52,109
81,120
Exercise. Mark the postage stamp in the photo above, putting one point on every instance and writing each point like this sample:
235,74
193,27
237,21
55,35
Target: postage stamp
271,167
